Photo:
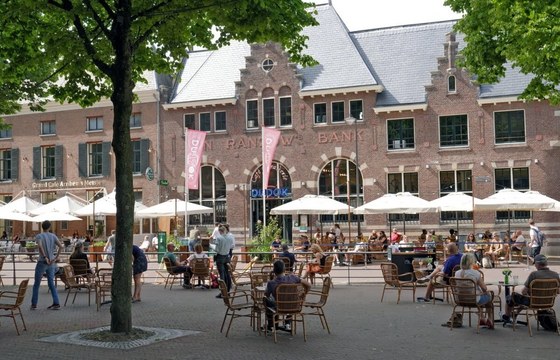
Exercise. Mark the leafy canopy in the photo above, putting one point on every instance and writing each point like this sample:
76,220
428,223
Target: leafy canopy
525,33
68,48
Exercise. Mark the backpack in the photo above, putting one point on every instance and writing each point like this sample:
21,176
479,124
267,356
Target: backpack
541,238
547,320
213,281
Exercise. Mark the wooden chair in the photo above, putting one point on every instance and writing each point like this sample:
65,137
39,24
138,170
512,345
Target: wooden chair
103,282
239,304
517,253
464,295
233,262
2,259
76,283
393,280
286,262
201,272
171,274
543,293
258,280
289,304
316,307
11,301
441,283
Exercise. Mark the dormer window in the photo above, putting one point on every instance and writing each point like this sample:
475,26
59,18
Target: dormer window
451,84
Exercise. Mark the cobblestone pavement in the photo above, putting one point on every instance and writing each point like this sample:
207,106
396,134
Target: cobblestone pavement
361,327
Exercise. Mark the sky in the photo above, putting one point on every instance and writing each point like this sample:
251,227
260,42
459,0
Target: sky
372,14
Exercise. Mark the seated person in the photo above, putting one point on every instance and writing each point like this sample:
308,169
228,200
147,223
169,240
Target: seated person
316,263
318,237
542,272
179,267
496,249
198,254
276,244
452,236
78,253
145,246
486,297
280,278
291,257
519,241
446,270
360,247
304,243
422,237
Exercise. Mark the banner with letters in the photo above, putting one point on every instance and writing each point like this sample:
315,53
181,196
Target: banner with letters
269,143
194,145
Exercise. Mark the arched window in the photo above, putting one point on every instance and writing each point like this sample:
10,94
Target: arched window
212,193
338,180
451,84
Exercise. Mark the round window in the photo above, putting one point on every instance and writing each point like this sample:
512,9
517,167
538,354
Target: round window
267,65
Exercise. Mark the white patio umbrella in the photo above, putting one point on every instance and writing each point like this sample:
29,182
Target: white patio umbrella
456,201
510,199
174,207
105,206
22,204
55,216
399,203
312,205
66,204
14,215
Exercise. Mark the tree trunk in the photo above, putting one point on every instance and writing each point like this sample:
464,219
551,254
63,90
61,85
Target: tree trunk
122,97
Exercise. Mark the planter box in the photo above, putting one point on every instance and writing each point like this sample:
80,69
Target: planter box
96,257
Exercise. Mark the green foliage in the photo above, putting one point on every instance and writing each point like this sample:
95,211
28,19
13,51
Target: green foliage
99,243
260,244
82,51
30,245
522,32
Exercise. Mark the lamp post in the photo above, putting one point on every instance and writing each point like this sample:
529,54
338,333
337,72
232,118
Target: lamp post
352,120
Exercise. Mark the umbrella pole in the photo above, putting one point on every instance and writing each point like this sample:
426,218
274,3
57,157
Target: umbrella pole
404,224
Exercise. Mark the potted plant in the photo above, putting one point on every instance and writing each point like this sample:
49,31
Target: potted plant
31,247
260,244
96,249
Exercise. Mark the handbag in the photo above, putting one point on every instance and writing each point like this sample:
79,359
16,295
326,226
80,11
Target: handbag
314,268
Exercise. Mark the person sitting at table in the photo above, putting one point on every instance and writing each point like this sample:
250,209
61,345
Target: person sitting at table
471,247
78,253
287,254
422,237
304,243
280,278
276,244
485,298
496,249
542,272
314,265
395,236
519,241
318,237
179,267
445,269
382,240
198,254
145,246
452,236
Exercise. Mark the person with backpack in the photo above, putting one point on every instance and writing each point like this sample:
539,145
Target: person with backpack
537,239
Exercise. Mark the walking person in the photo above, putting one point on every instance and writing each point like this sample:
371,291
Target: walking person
534,243
139,266
223,245
47,242
110,247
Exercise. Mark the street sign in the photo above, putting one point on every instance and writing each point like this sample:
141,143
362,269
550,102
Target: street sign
164,182
149,173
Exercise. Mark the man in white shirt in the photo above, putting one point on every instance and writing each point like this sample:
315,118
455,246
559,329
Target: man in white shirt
519,240
534,242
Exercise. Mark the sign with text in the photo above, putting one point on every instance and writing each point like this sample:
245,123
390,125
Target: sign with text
194,145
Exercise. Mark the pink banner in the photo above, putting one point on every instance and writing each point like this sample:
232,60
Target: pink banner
269,142
194,145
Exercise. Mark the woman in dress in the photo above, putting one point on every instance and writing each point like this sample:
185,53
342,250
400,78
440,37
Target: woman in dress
139,266
318,261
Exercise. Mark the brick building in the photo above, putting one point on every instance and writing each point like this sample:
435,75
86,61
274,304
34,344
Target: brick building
385,110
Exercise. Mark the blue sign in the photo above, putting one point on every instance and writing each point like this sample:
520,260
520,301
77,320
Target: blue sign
276,192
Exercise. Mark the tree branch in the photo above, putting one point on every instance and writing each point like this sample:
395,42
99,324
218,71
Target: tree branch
98,19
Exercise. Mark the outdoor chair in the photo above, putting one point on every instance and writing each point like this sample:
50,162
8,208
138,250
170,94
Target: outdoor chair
289,305
239,304
464,295
201,272
543,293
316,307
393,280
171,274
76,283
325,270
11,301
81,268
258,281
103,282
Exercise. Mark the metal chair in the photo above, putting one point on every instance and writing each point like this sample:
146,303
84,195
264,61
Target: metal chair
171,274
103,283
316,307
239,304
76,283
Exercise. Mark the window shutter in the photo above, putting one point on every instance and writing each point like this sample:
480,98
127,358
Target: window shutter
82,161
144,155
58,161
36,163
106,166
15,164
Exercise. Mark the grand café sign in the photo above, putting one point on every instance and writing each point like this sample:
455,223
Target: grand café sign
70,184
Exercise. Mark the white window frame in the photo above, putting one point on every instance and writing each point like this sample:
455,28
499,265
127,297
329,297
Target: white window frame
97,120
324,122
